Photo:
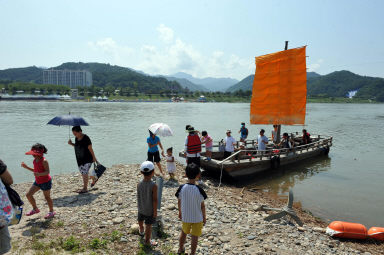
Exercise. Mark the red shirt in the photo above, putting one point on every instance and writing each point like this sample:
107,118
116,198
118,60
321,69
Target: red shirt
38,167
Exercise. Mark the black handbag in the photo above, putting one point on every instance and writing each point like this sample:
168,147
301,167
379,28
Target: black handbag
14,196
99,169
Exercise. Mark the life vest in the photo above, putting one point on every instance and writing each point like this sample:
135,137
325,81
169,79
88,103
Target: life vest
287,144
307,137
194,144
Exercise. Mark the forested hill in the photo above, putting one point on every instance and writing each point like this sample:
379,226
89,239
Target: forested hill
336,84
103,75
25,74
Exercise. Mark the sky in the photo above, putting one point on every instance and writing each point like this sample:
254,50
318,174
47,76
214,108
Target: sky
202,38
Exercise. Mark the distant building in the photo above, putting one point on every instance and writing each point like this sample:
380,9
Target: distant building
70,78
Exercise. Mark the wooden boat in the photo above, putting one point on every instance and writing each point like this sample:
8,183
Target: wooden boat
278,97
250,161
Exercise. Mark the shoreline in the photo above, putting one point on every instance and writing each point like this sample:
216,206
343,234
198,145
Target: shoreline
103,221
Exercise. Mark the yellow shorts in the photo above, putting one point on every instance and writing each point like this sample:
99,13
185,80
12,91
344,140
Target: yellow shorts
194,229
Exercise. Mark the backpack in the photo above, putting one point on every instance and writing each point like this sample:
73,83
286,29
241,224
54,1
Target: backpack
6,208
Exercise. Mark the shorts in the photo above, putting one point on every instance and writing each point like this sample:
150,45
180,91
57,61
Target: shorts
243,137
84,169
148,220
194,229
154,156
44,186
195,160
5,240
227,154
208,148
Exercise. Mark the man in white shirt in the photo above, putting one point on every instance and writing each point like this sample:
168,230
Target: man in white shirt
230,143
262,141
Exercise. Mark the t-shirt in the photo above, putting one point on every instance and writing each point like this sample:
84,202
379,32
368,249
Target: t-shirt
229,141
261,145
145,197
83,155
208,144
3,167
191,196
153,141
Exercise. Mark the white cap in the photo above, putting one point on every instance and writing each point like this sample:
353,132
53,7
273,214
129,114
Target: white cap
147,166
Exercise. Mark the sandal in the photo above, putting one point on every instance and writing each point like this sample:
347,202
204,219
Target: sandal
153,242
81,191
50,215
141,233
32,212
94,183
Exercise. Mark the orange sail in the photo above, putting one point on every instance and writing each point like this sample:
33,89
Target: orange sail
279,93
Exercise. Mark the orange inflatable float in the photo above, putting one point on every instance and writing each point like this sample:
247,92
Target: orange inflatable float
347,230
376,233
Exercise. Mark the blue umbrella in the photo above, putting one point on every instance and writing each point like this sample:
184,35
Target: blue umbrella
68,120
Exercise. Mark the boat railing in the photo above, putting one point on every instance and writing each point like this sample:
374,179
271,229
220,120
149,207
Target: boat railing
322,141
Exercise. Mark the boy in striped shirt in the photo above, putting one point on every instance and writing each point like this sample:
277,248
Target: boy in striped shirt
191,208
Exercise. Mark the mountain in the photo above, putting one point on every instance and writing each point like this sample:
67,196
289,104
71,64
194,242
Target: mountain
339,83
246,83
212,84
186,84
24,74
102,74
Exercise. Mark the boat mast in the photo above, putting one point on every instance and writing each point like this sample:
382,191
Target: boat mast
279,126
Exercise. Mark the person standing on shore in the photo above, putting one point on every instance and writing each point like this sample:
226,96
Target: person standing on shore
153,151
43,179
5,238
147,201
85,157
171,165
230,144
193,146
191,208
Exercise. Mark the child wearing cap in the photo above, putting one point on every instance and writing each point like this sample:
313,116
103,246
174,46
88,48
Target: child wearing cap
43,180
191,208
147,201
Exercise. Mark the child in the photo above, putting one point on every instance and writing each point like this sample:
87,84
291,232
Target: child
171,166
207,140
43,180
147,201
191,208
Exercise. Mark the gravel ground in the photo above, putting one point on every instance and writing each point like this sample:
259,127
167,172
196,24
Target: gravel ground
103,221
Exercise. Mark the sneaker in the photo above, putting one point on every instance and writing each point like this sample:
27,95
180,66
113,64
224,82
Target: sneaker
50,215
32,212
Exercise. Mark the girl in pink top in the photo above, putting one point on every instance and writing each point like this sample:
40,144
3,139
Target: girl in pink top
207,140
43,180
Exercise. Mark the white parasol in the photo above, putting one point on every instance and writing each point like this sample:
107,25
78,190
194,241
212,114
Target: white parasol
161,129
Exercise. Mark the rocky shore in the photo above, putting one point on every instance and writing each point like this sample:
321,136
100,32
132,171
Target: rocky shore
103,221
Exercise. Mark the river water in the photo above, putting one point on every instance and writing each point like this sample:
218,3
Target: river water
347,185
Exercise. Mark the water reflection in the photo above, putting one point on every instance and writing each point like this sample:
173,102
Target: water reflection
281,180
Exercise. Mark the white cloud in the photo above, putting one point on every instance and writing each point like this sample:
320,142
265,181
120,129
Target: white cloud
165,33
110,48
315,66
171,55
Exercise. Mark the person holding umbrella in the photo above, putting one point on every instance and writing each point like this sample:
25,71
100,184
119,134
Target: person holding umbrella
85,156
153,151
